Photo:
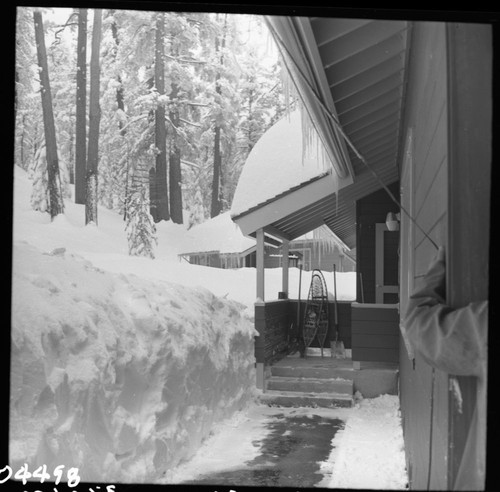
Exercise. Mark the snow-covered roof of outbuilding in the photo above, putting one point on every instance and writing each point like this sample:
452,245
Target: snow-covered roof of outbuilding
219,234
289,154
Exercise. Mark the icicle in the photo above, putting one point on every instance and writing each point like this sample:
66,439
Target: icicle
286,83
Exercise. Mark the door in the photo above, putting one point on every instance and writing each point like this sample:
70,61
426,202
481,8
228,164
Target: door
386,265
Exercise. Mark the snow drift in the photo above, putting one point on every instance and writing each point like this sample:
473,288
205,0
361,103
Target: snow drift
119,376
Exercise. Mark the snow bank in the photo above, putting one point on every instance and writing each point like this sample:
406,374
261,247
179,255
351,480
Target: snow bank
119,376
369,452
221,451
116,369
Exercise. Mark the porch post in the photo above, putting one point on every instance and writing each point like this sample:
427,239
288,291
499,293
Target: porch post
285,265
260,264
260,323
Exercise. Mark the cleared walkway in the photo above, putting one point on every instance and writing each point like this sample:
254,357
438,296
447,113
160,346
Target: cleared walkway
289,455
296,442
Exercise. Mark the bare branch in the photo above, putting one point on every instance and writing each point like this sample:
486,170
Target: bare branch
190,123
185,60
190,103
68,23
192,164
134,120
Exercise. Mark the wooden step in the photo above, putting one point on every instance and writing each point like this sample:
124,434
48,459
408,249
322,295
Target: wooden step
315,372
310,385
304,399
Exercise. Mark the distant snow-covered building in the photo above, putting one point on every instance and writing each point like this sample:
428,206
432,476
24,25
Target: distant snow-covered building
318,249
219,242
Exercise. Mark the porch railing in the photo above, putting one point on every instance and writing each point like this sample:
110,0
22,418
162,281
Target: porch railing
273,321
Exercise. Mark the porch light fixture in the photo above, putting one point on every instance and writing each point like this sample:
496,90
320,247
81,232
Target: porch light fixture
392,221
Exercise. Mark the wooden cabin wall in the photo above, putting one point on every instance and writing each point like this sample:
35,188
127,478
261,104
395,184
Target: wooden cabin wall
370,210
424,391
470,126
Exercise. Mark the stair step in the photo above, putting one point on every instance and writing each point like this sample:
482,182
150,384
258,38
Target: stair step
313,372
298,399
310,385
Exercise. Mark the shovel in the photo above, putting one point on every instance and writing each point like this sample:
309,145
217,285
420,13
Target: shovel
338,350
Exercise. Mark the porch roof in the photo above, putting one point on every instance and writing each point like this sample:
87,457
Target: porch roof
356,69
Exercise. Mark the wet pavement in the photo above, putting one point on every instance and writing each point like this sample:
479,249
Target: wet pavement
289,455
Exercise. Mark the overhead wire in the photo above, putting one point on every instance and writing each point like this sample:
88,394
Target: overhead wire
338,127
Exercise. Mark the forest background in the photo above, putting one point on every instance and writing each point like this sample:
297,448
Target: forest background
150,114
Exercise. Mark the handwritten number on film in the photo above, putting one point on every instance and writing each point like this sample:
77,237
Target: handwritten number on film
41,474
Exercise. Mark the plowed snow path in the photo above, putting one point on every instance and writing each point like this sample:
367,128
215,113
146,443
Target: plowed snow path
358,447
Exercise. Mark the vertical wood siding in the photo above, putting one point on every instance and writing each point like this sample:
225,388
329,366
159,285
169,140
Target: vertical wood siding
424,393
470,96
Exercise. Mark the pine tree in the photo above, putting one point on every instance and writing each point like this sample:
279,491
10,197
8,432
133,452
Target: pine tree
94,122
38,175
56,204
81,110
161,191
197,212
27,108
140,225
217,101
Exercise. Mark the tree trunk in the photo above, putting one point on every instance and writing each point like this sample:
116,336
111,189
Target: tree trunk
120,93
56,203
162,209
71,157
175,175
152,194
81,109
216,205
94,121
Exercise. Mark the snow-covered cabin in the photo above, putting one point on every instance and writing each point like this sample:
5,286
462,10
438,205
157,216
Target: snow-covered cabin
403,110
218,242
285,158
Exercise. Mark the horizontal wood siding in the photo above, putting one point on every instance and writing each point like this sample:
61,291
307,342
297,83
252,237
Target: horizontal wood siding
277,319
374,314
370,210
260,326
375,334
376,340
423,391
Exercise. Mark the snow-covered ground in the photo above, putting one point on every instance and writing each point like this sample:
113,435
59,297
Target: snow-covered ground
116,368
367,454
122,366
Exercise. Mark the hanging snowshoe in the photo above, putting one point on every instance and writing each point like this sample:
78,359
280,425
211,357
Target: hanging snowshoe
316,312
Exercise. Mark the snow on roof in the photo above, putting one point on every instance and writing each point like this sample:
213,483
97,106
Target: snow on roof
287,155
219,234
